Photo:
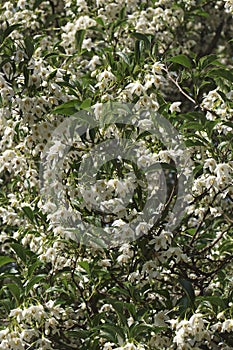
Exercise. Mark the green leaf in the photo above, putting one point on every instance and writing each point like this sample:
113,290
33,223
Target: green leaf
124,57
15,291
9,30
196,140
136,330
194,116
111,330
100,21
29,213
67,108
79,333
137,51
119,291
205,61
20,251
214,300
33,267
142,37
85,265
96,320
221,73
226,247
110,58
116,24
29,46
188,288
68,104
119,308
37,4
184,305
6,305
193,125
26,75
183,60
12,279
131,308
52,74
4,61
54,54
79,36
227,123
72,90
86,103
209,125
201,13
196,172
34,280
5,260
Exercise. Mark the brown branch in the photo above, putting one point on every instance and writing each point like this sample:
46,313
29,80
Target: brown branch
215,241
201,222
179,87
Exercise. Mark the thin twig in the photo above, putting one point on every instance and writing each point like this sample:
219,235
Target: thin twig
215,241
179,87
203,219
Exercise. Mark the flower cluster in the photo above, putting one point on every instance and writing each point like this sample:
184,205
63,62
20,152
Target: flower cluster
33,325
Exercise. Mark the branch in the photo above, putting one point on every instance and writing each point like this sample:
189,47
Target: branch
203,219
179,87
215,241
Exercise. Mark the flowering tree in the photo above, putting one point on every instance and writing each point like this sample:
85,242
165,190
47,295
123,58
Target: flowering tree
116,171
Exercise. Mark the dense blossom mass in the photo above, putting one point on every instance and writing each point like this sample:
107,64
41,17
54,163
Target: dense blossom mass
155,273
